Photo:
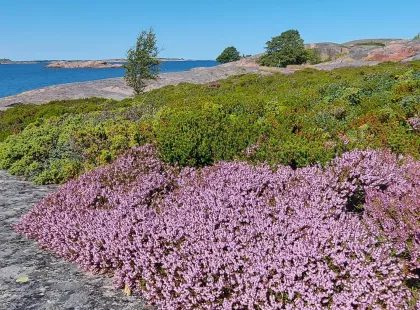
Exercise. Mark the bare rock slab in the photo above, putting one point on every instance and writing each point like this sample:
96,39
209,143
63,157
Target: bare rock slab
32,279
116,88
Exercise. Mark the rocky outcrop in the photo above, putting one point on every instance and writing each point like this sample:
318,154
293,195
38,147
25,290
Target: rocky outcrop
364,53
328,50
355,53
82,64
359,52
247,62
397,51
416,57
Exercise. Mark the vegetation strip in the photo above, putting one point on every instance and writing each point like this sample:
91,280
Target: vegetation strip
296,120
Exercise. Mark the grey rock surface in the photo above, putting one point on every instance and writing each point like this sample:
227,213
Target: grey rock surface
362,51
338,64
416,57
117,89
52,284
328,50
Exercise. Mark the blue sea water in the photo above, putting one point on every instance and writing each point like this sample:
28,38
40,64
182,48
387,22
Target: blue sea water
15,78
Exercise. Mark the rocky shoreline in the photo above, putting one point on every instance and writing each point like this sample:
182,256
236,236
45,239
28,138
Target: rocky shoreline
368,52
117,89
31,278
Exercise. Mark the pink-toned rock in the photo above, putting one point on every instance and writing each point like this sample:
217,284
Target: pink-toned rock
82,64
395,51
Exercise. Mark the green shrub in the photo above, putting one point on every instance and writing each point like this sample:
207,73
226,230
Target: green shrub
13,121
63,148
200,134
313,56
305,118
101,143
39,148
372,43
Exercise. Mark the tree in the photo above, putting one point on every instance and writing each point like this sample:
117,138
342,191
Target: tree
283,50
313,56
228,55
142,63
417,37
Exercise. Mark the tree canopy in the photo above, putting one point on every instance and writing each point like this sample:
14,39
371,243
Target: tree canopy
285,49
229,54
142,63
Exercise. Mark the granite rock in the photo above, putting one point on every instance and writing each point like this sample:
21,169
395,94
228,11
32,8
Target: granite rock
32,279
82,64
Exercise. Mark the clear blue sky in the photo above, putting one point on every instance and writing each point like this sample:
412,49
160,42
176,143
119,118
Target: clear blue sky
193,29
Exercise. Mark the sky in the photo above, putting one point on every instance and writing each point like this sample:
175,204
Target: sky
196,29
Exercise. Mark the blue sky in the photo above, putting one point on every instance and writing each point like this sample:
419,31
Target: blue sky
197,29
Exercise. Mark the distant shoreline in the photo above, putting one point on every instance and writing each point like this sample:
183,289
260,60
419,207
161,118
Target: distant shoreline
109,63
19,63
116,88
31,62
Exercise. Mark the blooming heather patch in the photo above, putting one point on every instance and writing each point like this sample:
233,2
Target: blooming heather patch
233,236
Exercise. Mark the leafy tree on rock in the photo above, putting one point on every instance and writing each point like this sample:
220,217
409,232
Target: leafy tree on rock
142,63
283,50
313,56
228,55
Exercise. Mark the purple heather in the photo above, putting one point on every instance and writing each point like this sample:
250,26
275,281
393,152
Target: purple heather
235,236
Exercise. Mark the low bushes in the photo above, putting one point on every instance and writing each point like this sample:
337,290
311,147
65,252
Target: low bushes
302,119
233,236
202,133
62,148
13,121
371,43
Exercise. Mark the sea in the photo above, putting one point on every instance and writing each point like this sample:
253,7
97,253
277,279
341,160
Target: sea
17,78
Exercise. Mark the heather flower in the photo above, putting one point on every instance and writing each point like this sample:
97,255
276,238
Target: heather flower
414,123
234,236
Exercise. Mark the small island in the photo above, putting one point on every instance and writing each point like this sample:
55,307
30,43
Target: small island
73,64
82,64
111,63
